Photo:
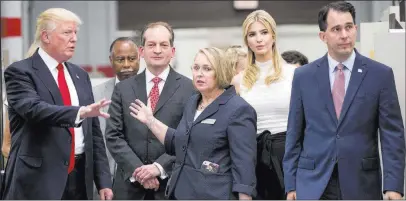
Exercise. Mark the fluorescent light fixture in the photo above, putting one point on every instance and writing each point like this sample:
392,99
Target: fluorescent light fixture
246,5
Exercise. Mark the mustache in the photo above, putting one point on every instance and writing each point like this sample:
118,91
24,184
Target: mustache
127,71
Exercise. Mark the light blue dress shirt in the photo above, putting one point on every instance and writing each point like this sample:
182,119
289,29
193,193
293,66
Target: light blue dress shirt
348,66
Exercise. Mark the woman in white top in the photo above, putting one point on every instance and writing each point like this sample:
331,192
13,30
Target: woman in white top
266,85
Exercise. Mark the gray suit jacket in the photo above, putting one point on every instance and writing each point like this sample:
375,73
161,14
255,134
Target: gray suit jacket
130,142
100,91
225,134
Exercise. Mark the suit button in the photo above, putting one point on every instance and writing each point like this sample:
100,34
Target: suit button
187,131
183,148
149,140
66,163
338,136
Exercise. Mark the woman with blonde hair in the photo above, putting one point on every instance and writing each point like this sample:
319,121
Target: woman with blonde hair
214,143
266,85
237,55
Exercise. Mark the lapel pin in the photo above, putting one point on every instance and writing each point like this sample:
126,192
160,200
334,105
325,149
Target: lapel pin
360,70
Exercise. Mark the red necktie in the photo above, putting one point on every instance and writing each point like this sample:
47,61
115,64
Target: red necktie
63,88
339,89
154,94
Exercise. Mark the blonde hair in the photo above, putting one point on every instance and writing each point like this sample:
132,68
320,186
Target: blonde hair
47,20
221,65
251,71
233,54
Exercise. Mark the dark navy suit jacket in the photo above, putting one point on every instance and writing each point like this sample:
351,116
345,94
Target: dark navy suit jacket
37,167
229,142
317,140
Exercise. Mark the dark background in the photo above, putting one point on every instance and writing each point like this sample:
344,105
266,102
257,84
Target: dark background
133,15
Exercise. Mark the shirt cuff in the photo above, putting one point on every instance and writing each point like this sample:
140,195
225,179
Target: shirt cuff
78,120
161,170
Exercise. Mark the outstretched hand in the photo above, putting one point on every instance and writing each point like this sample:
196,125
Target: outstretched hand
141,112
93,110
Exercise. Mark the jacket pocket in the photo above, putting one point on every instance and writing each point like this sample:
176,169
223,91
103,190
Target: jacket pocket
31,161
306,163
370,163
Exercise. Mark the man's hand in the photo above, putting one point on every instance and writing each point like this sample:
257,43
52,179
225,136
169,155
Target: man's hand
291,195
152,183
146,172
242,196
392,195
106,194
93,110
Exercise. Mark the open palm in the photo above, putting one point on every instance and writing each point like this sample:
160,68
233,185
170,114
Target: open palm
140,111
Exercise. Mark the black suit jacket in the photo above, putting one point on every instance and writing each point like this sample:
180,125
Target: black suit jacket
37,167
130,142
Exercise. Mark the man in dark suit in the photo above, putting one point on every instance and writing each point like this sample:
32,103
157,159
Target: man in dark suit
124,59
130,142
57,148
338,104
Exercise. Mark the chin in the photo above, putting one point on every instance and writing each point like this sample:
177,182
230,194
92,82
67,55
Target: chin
261,52
158,64
200,89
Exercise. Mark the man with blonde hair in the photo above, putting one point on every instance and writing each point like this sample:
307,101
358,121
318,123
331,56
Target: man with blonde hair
57,149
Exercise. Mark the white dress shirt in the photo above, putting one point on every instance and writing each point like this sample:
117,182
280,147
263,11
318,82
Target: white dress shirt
149,84
52,65
348,65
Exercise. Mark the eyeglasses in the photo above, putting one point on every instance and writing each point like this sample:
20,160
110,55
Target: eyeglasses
205,69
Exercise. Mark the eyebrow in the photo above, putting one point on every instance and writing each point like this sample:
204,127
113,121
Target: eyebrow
348,23
259,31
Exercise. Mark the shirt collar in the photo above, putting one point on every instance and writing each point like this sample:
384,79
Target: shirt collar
149,76
48,60
349,63
117,80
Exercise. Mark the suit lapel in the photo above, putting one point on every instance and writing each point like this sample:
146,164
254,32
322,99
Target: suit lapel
214,106
78,82
139,87
80,89
108,91
357,75
47,78
323,78
170,87
191,111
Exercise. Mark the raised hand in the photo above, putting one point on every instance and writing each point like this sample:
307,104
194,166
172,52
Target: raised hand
141,112
93,110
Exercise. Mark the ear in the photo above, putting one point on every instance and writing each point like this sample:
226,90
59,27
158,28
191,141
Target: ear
173,51
140,52
45,37
111,59
322,36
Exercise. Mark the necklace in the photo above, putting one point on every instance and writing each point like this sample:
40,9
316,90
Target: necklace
201,106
